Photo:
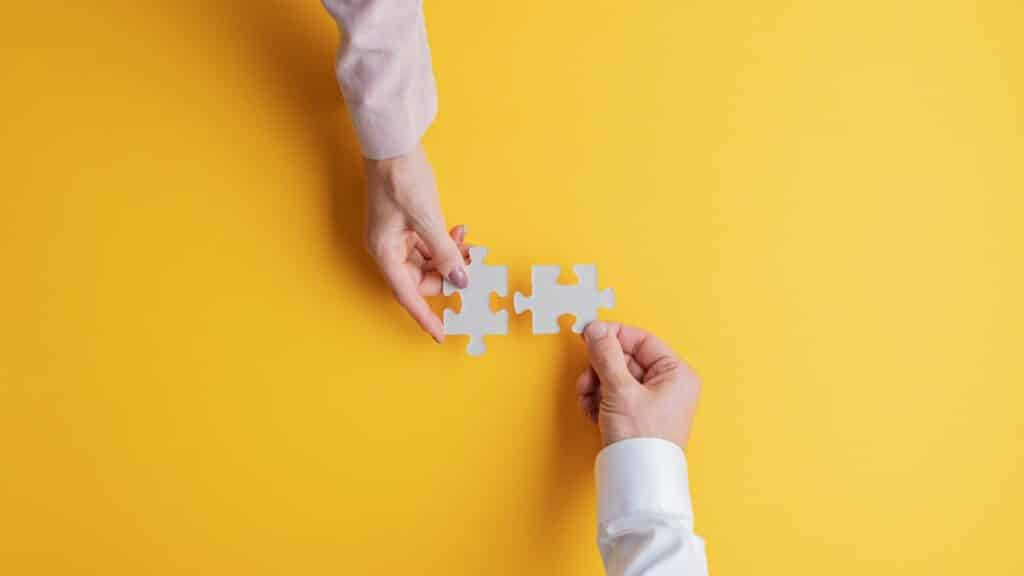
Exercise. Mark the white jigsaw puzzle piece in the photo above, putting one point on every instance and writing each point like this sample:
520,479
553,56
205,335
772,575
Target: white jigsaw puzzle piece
475,318
551,300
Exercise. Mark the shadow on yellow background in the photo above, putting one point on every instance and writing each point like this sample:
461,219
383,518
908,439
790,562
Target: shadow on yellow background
288,57
291,58
818,204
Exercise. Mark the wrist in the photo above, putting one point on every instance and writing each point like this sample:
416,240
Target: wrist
623,433
390,167
381,170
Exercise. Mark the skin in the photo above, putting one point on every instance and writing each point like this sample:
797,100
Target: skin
407,237
636,386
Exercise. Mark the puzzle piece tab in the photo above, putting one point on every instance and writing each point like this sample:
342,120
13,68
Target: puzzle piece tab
551,300
475,318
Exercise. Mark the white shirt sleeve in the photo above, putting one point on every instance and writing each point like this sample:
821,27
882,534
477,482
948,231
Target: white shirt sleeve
645,519
385,73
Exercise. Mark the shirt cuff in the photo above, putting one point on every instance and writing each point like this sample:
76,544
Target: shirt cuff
642,475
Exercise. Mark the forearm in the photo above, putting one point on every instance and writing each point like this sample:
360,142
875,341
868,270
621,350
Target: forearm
385,73
645,519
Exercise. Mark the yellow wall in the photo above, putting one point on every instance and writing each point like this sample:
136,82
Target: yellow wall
819,203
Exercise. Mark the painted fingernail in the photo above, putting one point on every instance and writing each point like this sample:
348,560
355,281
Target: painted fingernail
595,330
458,277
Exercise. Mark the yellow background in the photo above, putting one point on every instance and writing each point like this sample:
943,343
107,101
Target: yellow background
818,203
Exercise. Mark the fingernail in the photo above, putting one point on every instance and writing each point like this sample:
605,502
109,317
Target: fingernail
458,277
595,330
438,339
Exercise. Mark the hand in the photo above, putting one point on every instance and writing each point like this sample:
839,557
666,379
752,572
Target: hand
636,386
405,234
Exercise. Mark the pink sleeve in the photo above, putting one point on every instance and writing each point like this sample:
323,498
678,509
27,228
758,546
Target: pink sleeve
385,73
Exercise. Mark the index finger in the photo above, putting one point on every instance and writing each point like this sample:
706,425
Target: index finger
645,347
408,295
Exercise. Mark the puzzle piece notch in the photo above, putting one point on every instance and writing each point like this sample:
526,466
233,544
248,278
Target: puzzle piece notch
550,300
475,318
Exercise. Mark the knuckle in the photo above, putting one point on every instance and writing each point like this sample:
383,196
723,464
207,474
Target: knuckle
667,365
672,365
446,262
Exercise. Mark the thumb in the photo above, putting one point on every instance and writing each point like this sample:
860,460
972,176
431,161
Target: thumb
606,354
444,254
